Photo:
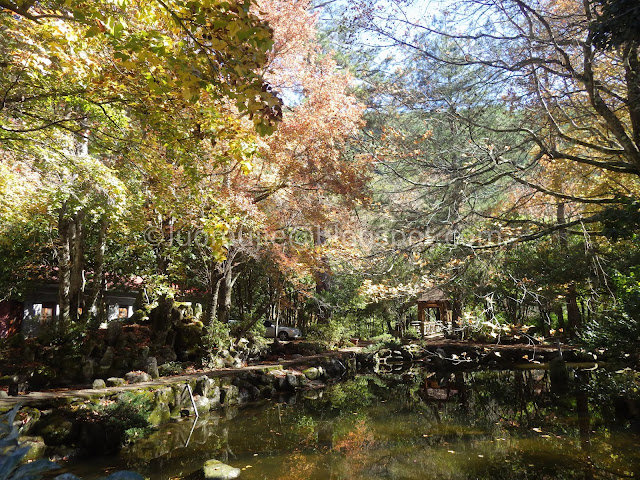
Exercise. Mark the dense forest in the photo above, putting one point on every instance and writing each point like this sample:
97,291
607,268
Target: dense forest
321,164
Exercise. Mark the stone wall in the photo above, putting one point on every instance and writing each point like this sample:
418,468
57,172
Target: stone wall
96,421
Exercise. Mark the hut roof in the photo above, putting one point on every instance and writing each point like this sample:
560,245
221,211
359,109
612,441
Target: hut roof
433,295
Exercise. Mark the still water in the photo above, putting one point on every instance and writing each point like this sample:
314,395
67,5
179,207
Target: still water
412,424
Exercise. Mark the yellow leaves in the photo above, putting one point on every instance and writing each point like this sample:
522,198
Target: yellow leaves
246,167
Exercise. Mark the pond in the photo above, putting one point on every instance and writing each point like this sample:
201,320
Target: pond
412,424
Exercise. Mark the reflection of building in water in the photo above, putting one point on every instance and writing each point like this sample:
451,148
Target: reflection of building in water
434,391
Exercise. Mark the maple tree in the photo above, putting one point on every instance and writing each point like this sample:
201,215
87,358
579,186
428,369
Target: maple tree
299,179
251,196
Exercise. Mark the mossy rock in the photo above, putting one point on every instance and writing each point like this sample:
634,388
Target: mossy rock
203,404
115,382
139,316
56,430
216,470
138,396
189,336
312,373
36,447
165,395
160,415
229,395
98,384
29,417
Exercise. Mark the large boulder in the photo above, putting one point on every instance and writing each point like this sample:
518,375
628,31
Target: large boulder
98,384
88,369
55,430
114,327
36,448
107,359
165,395
160,414
160,319
203,404
137,377
216,470
204,385
312,373
28,419
115,382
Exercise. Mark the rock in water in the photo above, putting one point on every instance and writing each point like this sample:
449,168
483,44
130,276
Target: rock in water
216,470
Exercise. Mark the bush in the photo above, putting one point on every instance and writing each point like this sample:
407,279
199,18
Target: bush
331,334
171,368
386,340
618,330
412,334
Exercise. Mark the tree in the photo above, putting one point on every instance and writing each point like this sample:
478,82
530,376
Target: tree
87,91
565,99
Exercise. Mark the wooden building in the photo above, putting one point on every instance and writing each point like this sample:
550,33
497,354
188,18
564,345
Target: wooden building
40,306
434,312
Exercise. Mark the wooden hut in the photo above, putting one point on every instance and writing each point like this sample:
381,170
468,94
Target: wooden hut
434,312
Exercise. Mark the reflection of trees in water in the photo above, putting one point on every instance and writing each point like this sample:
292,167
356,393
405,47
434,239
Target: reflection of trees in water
401,426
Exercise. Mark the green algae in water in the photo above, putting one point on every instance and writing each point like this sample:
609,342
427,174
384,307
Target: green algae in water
463,425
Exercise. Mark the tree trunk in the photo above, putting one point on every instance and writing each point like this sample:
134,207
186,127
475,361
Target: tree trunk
76,247
226,291
456,314
91,306
215,281
560,314
574,319
322,274
64,269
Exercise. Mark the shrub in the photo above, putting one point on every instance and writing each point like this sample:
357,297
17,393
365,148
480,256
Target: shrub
332,334
171,368
618,330
412,334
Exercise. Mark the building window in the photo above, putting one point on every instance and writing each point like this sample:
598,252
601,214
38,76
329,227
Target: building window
47,314
123,312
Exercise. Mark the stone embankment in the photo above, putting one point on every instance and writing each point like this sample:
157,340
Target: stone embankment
94,420
450,354
100,419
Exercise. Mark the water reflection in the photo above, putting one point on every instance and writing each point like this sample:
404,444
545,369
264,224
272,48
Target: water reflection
415,424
